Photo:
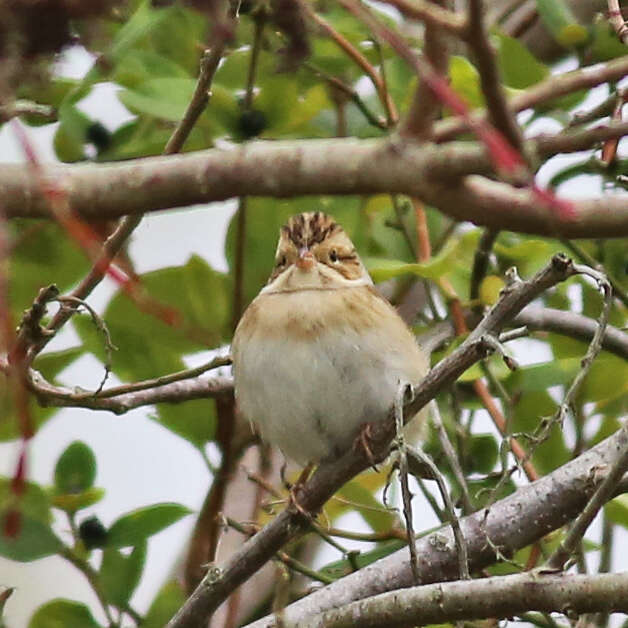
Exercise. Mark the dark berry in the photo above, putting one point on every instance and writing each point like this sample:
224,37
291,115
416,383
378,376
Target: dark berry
93,533
98,135
251,123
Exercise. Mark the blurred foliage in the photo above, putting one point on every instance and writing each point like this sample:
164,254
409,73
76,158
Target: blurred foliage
151,54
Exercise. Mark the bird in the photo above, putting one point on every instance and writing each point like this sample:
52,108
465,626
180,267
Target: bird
319,352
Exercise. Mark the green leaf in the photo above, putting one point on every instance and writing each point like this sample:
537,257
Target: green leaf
384,269
361,491
135,527
49,364
559,20
617,510
150,347
529,254
62,613
531,408
465,81
77,501
76,469
43,254
607,380
540,377
34,540
34,502
71,135
147,136
605,43
120,574
142,22
169,600
341,568
139,66
180,36
165,98
193,420
518,66
483,452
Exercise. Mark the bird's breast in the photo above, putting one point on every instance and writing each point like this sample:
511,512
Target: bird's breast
310,368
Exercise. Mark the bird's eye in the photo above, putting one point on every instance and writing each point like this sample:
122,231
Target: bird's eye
282,261
333,255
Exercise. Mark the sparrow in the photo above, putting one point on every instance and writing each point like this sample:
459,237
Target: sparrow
319,352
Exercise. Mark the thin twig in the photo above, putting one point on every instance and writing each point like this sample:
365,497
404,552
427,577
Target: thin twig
603,109
223,32
402,461
481,260
584,257
425,106
368,537
483,393
424,248
286,559
359,59
451,456
461,545
572,325
498,111
27,108
549,89
336,83
101,326
146,384
596,343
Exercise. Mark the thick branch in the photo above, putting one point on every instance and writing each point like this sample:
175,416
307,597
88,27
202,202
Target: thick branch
497,597
512,523
573,325
293,168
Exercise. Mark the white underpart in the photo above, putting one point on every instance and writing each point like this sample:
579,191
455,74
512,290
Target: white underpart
355,381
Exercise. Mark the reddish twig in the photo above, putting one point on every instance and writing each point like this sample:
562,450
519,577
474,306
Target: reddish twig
616,18
360,60
425,104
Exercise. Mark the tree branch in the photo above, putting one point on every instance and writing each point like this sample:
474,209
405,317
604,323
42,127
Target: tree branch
497,597
514,522
334,166
174,392
499,113
425,106
547,90
431,14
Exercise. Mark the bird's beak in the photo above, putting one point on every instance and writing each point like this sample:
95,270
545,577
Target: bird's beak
305,260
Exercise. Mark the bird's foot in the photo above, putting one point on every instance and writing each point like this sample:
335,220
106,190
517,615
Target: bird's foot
363,442
294,489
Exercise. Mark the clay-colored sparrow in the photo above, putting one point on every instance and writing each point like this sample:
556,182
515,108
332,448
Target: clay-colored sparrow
319,352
